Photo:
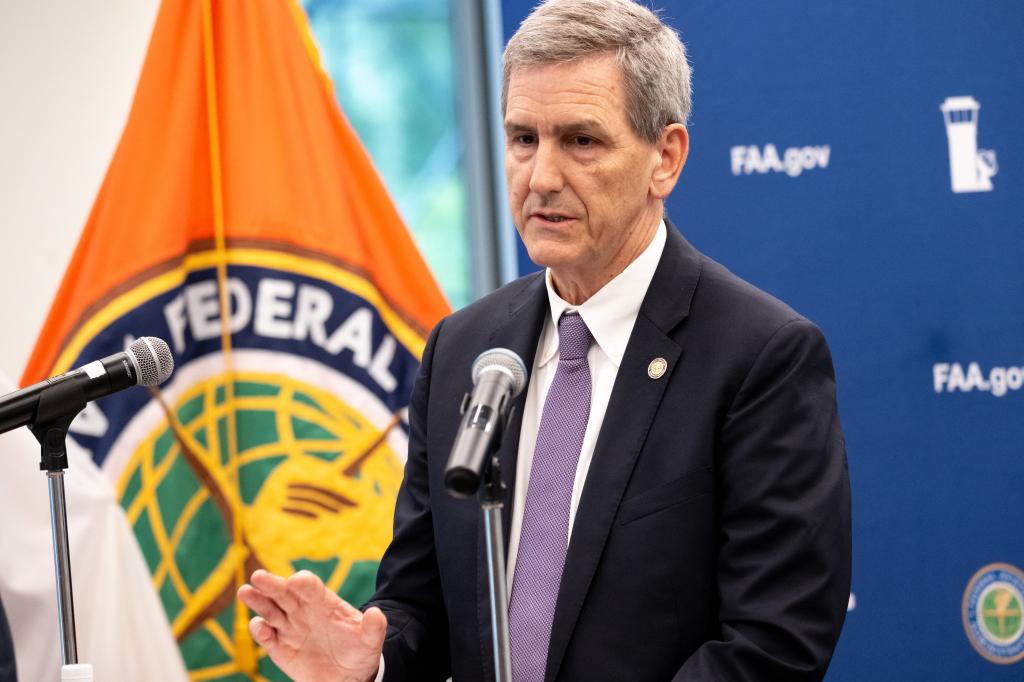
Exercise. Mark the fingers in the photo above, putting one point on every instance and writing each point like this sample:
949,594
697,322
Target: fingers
275,587
266,581
307,587
283,604
310,590
263,606
374,627
263,634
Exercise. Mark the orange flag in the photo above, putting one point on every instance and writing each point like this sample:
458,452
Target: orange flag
242,221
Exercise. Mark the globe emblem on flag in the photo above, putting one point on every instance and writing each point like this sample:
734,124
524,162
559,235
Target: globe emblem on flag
993,613
257,470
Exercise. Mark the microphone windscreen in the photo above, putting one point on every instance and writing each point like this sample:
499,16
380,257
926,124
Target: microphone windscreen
152,359
506,360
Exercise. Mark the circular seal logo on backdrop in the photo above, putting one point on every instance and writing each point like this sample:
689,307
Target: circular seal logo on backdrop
993,613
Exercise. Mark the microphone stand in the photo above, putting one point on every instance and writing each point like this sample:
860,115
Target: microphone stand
491,501
490,489
56,410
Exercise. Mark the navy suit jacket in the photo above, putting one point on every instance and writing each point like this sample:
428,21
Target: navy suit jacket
712,539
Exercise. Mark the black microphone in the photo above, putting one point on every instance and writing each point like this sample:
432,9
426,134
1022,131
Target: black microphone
146,362
499,375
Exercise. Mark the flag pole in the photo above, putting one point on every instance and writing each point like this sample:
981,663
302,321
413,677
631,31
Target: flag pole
245,654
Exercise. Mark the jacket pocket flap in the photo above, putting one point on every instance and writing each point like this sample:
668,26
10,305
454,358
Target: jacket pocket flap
686,487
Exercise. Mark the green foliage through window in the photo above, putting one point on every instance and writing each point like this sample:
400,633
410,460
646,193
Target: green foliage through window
393,67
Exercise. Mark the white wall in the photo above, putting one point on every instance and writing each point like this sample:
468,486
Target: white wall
67,76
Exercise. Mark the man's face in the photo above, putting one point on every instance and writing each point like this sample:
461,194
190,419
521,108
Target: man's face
579,177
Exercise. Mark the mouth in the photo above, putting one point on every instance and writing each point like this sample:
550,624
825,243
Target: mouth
551,217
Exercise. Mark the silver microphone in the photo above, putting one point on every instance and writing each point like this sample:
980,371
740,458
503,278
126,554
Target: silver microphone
146,362
499,375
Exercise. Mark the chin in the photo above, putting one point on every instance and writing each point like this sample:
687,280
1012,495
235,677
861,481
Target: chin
549,248
550,255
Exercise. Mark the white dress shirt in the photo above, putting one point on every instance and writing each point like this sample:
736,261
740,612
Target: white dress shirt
609,314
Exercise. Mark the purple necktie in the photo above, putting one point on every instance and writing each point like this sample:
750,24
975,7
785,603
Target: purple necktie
545,532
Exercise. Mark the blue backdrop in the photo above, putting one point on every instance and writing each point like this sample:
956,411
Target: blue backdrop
823,170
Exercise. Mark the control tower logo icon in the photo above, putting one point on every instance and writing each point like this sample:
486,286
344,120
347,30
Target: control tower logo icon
970,169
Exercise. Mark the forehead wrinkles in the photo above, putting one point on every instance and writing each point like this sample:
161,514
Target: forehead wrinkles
580,89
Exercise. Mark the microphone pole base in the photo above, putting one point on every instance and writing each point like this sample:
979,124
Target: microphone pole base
78,672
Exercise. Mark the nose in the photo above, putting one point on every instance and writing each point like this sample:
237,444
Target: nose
546,176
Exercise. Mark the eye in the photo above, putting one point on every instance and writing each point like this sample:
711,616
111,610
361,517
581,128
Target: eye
583,141
524,138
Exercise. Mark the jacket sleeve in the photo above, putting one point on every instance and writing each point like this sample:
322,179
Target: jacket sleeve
783,573
408,585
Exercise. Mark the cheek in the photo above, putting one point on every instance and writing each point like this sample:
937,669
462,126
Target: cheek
605,195
613,199
624,189
515,201
515,207
517,188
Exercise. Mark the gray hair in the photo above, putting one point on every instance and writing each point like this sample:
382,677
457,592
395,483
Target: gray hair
650,54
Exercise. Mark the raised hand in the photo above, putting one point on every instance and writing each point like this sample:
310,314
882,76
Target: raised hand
311,633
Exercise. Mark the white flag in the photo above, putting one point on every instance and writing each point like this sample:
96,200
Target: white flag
121,627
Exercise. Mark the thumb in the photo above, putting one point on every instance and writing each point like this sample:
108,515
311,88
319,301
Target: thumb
374,627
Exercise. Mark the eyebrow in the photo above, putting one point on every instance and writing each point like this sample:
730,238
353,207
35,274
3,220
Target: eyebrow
583,125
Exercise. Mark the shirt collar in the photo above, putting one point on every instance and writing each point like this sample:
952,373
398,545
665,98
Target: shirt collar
611,312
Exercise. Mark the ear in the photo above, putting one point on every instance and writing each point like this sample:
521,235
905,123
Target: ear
671,148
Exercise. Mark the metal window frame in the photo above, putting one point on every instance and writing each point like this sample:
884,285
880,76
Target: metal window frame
478,43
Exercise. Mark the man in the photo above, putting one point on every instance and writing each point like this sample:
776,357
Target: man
677,473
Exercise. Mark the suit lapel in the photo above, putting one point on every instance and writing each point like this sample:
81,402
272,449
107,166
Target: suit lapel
631,409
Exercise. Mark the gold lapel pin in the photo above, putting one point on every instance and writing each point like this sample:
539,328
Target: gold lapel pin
656,369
